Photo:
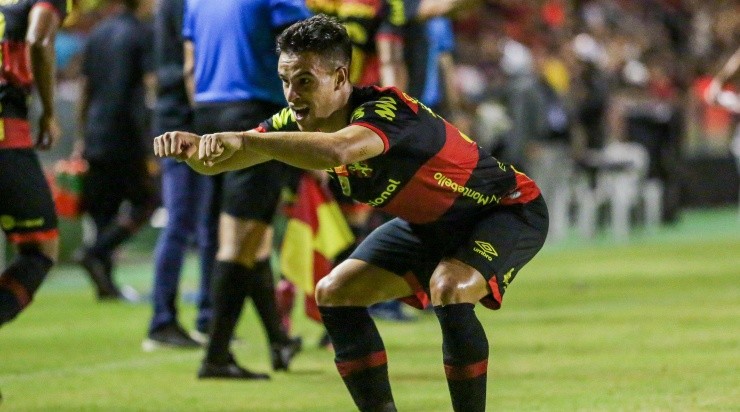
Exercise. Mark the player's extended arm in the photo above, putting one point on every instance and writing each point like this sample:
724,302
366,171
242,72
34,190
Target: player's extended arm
185,146
43,23
306,150
188,70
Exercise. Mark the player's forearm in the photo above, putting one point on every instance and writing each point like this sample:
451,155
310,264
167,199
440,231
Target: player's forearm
44,69
43,25
241,159
305,150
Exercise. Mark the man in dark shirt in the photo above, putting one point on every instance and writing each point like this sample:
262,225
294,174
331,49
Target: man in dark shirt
466,223
116,64
190,198
27,213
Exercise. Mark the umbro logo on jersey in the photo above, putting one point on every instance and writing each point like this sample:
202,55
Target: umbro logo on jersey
485,249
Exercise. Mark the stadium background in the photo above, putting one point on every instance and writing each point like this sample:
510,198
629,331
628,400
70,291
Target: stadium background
594,323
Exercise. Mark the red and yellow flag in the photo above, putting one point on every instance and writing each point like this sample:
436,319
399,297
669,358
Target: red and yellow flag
315,234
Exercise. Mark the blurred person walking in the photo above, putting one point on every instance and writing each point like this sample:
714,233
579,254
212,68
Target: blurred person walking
230,74
117,63
191,199
27,214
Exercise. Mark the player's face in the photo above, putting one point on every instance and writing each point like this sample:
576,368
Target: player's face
310,86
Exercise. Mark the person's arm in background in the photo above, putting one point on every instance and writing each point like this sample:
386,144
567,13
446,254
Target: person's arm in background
432,8
42,28
188,70
393,70
83,105
714,93
149,77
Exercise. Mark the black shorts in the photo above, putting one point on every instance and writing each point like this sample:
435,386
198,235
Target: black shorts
108,183
251,193
254,193
497,244
27,211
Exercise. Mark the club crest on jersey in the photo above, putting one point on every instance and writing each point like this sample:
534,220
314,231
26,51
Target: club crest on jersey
485,249
360,169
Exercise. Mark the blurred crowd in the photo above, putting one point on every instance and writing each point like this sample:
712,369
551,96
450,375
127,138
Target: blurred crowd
550,84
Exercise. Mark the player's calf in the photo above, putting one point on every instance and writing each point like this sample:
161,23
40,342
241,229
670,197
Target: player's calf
19,282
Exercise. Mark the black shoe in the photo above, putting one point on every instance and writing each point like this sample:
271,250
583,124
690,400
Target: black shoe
282,353
99,272
228,371
325,341
170,336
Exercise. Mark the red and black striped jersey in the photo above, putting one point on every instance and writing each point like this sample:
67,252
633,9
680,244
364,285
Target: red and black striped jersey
429,170
16,77
365,21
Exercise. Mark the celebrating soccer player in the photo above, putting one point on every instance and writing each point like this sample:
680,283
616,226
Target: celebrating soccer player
466,223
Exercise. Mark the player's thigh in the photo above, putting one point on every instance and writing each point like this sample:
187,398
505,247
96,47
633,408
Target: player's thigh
27,213
240,239
501,243
397,248
357,283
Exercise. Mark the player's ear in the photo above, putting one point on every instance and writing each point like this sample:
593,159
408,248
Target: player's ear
341,76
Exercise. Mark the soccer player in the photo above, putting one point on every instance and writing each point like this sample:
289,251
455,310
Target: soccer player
466,223
27,213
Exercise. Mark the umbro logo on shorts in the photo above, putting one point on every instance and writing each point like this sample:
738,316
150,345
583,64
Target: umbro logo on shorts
485,249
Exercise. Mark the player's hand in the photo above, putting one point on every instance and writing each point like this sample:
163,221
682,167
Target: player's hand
49,132
180,145
218,147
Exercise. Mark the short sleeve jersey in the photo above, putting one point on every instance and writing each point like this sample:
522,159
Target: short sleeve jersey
365,20
16,77
429,171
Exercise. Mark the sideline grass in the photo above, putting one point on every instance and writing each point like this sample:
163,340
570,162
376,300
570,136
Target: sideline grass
651,326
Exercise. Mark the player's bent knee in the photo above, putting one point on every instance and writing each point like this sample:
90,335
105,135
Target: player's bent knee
326,291
446,291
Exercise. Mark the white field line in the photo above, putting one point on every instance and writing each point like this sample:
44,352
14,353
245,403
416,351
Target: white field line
133,363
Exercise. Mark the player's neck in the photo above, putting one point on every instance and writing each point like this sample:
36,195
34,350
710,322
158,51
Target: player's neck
339,119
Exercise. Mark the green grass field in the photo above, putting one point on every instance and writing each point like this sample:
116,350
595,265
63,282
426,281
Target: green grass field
653,325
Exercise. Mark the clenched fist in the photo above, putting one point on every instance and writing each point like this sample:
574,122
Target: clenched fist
179,145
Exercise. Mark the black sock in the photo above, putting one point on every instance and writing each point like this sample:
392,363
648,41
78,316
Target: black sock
465,350
231,285
360,356
19,282
110,239
263,296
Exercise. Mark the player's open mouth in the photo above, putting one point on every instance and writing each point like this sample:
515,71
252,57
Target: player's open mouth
300,113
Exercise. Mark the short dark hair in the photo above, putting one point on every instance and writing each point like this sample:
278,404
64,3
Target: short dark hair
319,34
